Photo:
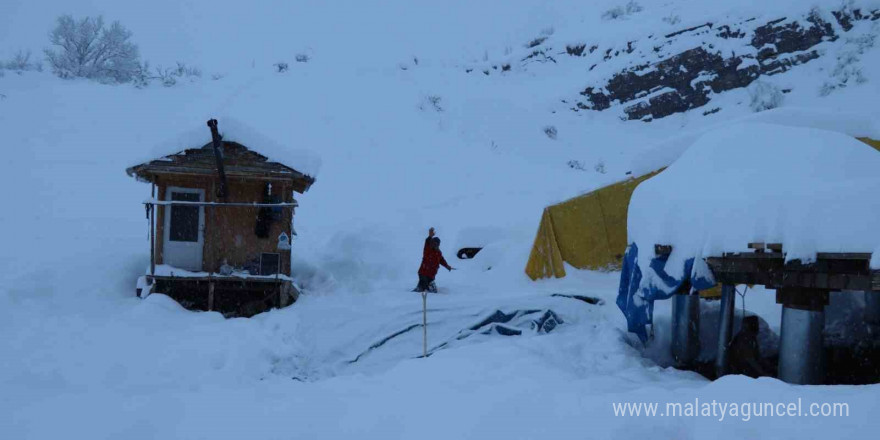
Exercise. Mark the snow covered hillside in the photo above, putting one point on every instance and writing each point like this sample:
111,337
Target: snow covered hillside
411,134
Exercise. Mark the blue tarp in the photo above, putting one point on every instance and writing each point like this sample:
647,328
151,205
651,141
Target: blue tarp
635,298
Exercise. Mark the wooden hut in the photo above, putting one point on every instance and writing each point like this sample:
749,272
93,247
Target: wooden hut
221,225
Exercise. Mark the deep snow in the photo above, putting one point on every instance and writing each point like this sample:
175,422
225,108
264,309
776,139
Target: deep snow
275,143
82,356
806,188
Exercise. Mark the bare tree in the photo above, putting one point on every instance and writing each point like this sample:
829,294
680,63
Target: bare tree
85,48
22,62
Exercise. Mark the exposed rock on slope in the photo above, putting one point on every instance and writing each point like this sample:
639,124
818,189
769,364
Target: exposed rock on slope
730,57
660,75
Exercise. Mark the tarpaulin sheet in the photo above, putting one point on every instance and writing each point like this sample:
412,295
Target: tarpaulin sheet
638,291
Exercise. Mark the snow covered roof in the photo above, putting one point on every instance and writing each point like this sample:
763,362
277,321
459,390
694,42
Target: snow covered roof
247,153
811,190
851,124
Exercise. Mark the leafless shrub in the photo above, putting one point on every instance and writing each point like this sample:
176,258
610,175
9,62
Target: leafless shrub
536,42
622,11
21,62
848,70
764,96
167,76
672,19
184,71
431,102
85,48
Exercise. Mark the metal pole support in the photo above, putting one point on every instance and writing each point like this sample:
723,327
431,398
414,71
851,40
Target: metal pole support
725,328
685,327
801,353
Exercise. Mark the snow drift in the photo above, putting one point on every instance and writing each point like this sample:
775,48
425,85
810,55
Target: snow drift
809,189
82,350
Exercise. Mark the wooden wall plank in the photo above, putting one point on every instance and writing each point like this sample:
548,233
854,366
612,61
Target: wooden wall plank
229,231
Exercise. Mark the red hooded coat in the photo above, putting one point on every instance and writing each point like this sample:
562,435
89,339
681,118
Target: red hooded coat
431,260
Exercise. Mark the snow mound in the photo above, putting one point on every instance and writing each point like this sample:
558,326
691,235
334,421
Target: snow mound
277,145
848,123
810,189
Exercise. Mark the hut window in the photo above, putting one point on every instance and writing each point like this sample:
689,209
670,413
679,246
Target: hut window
270,263
276,211
265,216
272,197
184,219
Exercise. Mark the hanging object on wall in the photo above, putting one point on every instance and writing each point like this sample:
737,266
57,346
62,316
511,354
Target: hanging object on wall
283,242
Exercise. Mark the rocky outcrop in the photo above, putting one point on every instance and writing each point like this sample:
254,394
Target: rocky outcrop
682,81
674,85
661,75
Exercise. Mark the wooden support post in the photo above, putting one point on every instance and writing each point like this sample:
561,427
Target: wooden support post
210,295
277,283
153,233
725,328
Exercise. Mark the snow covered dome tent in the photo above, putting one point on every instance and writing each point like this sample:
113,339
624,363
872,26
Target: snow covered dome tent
221,218
589,231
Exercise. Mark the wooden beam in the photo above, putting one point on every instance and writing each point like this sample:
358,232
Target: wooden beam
802,298
843,256
834,271
209,167
761,247
662,249
233,171
152,209
300,184
154,202
222,280
210,295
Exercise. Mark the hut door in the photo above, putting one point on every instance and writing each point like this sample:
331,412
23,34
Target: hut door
184,229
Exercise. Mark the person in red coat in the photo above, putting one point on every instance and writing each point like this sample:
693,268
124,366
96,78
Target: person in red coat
432,259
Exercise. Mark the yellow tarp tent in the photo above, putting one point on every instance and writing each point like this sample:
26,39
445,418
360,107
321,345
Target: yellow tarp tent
872,142
589,231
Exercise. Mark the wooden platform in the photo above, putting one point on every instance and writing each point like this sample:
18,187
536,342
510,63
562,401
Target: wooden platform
830,271
803,290
232,296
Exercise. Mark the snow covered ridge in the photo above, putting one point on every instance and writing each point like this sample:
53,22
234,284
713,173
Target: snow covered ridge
729,56
811,190
662,74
